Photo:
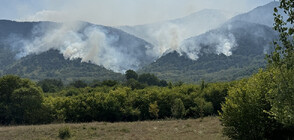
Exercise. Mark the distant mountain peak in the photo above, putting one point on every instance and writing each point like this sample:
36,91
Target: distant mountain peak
261,15
168,35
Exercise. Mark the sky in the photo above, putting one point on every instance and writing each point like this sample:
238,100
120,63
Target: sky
116,12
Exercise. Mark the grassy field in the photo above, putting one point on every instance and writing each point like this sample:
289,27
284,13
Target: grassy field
208,128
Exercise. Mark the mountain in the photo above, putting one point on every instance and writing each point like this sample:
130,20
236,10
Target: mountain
205,45
261,15
233,51
81,50
169,34
52,64
102,45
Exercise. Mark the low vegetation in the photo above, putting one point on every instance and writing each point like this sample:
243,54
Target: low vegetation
208,128
23,101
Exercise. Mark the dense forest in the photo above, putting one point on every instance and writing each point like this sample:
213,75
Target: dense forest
142,97
52,64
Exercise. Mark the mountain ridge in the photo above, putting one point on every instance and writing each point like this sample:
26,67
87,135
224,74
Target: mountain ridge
224,50
201,60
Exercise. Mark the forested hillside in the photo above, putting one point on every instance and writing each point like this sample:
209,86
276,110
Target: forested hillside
247,45
52,64
40,50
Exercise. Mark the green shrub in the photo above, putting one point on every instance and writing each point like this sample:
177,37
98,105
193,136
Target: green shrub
153,110
20,101
64,132
201,108
245,110
178,109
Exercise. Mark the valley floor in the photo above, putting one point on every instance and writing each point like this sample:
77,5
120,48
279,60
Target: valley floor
208,128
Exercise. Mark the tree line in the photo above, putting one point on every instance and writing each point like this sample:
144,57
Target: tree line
140,97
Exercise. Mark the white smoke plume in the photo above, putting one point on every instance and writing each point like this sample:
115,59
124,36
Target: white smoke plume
90,43
168,38
216,43
97,45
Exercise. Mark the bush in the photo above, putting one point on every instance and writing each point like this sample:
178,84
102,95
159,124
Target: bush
78,84
109,83
178,109
245,110
20,101
153,110
50,85
201,108
64,132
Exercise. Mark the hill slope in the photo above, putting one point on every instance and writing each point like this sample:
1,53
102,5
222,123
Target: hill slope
233,51
52,64
261,15
169,34
102,45
81,50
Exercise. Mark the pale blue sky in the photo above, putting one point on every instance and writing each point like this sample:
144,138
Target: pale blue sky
116,12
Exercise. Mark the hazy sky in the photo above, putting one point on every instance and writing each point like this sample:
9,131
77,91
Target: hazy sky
116,12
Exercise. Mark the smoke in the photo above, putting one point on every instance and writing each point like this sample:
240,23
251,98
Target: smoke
101,46
118,51
209,43
91,43
126,12
167,38
49,15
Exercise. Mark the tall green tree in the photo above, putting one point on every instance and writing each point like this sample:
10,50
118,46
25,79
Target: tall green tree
262,106
149,79
20,101
78,84
178,109
130,74
244,113
50,85
282,65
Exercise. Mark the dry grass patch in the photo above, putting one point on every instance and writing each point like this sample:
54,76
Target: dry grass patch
208,128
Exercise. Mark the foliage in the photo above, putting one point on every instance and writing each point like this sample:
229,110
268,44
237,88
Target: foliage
78,84
215,93
64,132
134,84
104,102
149,79
282,66
50,85
109,83
244,111
20,101
124,104
52,64
153,110
281,96
178,109
130,74
262,106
